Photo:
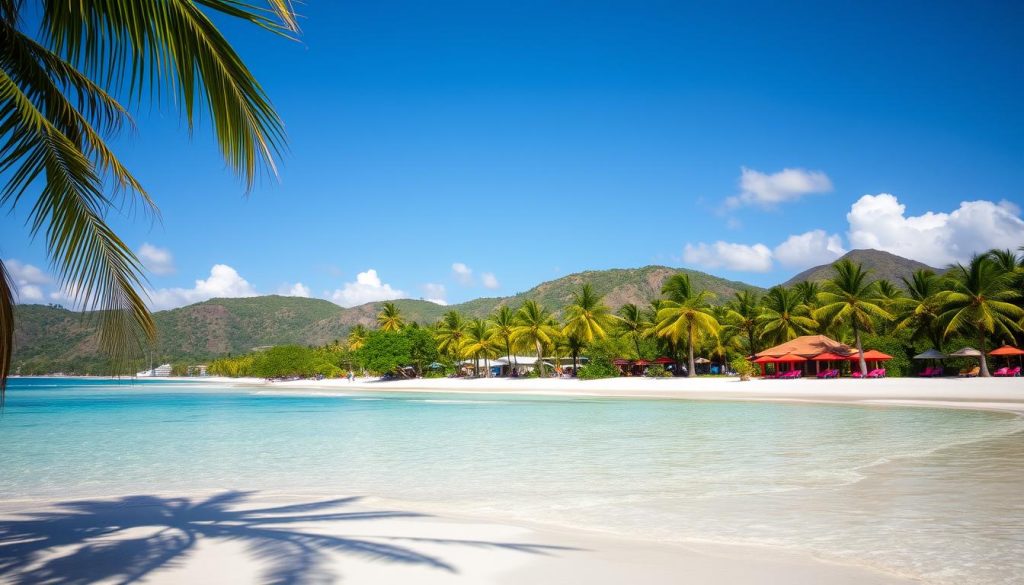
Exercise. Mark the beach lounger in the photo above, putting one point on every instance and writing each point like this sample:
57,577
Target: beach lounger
1015,371
1001,372
927,373
877,373
971,373
856,374
1007,372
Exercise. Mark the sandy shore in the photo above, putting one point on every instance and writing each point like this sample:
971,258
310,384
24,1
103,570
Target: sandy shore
987,394
232,538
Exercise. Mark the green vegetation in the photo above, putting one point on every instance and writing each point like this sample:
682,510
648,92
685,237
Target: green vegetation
979,304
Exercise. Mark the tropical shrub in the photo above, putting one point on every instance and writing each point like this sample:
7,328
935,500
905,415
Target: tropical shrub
743,367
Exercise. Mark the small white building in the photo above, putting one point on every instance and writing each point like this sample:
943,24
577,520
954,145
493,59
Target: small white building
162,371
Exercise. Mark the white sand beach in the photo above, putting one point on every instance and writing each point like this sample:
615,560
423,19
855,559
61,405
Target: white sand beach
1005,394
360,542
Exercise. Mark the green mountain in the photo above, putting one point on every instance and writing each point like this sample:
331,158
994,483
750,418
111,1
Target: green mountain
50,338
882,265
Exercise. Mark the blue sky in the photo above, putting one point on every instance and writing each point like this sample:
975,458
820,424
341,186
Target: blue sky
463,149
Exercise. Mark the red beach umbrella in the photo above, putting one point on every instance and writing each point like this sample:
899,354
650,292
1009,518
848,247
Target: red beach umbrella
665,361
828,357
1006,350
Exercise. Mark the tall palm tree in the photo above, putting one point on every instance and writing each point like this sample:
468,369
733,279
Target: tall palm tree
685,312
979,300
535,326
918,311
450,332
632,323
783,316
480,342
357,337
504,320
889,296
849,297
807,292
742,313
57,111
586,319
390,318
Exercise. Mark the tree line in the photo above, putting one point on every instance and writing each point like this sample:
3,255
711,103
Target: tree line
978,303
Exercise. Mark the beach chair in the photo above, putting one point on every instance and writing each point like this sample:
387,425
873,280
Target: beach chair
1014,371
927,373
971,373
856,374
877,373
824,374
1001,372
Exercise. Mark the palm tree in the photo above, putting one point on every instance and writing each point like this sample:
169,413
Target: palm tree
390,318
742,313
918,311
848,297
450,333
783,316
535,326
807,292
504,320
586,318
632,323
685,312
357,337
979,300
57,112
889,296
479,341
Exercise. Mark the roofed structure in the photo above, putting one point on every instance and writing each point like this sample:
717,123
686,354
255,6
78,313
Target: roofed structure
808,346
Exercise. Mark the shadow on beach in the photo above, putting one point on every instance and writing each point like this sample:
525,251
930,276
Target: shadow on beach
86,541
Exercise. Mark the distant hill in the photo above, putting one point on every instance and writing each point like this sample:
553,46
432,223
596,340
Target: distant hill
882,265
51,338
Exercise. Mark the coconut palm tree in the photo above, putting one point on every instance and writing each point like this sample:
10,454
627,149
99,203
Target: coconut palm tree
390,318
978,300
356,337
918,311
480,342
632,323
586,319
535,326
450,333
504,321
742,313
807,292
58,110
685,313
889,296
849,297
783,316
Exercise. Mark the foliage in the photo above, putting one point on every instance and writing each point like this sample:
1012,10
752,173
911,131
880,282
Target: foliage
600,355
900,347
742,366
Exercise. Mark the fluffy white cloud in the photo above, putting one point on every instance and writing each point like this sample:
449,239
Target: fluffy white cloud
490,281
27,280
935,238
295,290
463,274
740,257
757,188
366,289
224,282
809,249
157,260
435,293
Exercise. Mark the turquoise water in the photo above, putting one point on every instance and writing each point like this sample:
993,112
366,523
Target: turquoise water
925,492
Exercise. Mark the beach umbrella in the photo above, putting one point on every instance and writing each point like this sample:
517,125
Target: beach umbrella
664,361
1007,351
931,354
791,359
966,352
828,357
642,363
620,362
701,360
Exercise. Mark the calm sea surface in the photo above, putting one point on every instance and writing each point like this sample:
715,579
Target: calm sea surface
937,494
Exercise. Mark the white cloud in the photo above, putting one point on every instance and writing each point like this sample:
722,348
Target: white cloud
27,280
809,249
295,290
935,238
490,281
740,257
463,274
157,260
435,293
366,289
757,188
224,282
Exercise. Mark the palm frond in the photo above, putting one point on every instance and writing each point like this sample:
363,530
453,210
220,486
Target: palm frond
6,327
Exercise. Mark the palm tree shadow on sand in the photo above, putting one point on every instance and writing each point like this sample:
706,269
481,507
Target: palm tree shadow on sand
86,541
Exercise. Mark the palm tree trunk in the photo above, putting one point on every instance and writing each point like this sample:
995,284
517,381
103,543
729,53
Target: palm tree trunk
540,362
984,362
636,342
689,341
508,354
860,351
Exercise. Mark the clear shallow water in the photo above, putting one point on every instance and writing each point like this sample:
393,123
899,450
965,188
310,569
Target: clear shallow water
929,493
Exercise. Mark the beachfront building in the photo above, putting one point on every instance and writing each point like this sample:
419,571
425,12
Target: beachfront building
158,372
821,350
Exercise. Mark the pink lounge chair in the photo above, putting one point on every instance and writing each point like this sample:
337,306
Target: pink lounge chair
877,373
927,373
824,374
1015,371
1001,372
1007,372
794,374
856,374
